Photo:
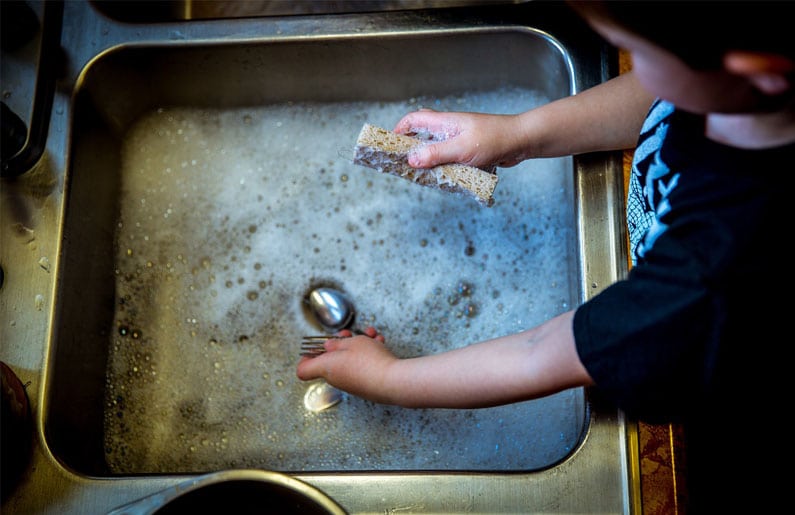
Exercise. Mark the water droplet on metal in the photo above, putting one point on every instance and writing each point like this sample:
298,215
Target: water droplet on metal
44,263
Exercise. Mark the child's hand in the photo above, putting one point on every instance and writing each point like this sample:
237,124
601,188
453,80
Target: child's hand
355,364
475,139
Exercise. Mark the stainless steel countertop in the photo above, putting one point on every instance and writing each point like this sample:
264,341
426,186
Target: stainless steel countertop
600,476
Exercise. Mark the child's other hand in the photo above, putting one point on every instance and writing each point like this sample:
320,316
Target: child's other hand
356,364
475,139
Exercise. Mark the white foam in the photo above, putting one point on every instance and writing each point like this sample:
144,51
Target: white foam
230,216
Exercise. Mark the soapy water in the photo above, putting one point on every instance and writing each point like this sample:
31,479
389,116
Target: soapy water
229,217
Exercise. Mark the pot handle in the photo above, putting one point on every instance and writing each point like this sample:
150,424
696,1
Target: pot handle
49,53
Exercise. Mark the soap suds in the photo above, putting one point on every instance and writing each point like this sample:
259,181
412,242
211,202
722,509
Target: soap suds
229,217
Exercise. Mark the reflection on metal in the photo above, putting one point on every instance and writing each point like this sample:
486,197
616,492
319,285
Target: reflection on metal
320,396
249,491
179,10
331,307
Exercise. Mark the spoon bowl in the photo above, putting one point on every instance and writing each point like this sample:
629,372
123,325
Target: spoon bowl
332,309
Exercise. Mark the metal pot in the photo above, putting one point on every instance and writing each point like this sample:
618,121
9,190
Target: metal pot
238,491
17,429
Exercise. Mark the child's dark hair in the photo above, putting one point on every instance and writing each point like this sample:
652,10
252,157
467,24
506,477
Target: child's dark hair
701,32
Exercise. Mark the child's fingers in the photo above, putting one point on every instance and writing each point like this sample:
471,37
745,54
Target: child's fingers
417,119
440,125
428,156
308,368
372,332
335,344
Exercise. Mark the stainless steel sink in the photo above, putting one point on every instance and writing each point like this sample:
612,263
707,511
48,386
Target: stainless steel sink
159,11
207,187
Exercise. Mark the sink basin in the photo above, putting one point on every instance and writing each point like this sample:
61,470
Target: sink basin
208,187
207,203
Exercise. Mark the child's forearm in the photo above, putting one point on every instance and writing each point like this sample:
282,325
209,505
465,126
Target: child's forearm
508,369
606,117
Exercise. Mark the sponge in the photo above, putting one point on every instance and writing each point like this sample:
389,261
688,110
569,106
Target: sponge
387,152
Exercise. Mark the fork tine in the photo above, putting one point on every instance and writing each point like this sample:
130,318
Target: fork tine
312,346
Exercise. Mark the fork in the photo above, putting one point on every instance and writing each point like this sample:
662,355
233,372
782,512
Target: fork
312,346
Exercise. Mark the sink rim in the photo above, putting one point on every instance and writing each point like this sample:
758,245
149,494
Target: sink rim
95,77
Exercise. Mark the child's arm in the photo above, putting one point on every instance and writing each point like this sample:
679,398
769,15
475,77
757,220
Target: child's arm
606,117
522,366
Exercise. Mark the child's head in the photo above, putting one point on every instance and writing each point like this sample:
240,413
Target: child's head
704,56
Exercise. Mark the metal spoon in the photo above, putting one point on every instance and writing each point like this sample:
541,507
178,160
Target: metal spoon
320,396
334,311
331,308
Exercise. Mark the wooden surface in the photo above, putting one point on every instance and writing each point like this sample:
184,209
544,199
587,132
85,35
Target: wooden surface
661,447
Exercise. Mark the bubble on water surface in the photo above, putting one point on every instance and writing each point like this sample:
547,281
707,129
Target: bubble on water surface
261,207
